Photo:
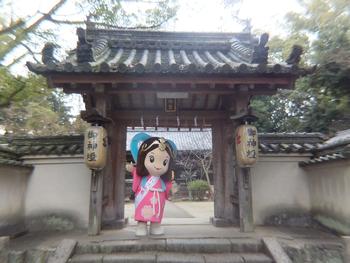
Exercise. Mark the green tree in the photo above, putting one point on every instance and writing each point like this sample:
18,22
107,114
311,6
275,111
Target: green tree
115,12
23,31
35,110
27,105
321,101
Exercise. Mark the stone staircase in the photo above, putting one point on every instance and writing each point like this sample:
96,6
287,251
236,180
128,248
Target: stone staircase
205,250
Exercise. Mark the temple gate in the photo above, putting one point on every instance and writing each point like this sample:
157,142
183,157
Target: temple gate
131,78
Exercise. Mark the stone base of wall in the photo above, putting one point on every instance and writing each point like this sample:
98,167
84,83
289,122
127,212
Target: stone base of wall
13,230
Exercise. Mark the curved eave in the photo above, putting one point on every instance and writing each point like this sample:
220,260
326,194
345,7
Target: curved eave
242,69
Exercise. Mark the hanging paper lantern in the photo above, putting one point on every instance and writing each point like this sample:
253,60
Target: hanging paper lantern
246,145
95,147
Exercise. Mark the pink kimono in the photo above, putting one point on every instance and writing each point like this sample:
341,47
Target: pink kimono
150,195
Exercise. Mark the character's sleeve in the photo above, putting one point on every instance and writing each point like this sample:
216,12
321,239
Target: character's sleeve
168,187
136,180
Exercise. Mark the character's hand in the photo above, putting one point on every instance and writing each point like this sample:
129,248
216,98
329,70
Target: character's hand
129,167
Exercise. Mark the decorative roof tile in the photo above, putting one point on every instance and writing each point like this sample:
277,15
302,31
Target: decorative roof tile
185,140
154,52
10,157
335,148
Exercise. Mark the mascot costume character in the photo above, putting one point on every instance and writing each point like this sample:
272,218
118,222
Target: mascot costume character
152,176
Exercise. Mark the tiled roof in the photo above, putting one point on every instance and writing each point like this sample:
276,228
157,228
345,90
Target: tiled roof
336,148
10,157
48,145
185,140
153,52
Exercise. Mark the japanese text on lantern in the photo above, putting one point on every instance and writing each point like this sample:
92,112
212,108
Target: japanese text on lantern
91,146
246,145
95,147
251,143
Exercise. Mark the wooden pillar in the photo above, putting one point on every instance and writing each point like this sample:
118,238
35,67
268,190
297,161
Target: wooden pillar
218,175
244,180
231,189
245,200
95,209
225,211
96,187
114,178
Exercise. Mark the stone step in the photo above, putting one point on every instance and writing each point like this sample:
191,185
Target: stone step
172,257
28,256
205,245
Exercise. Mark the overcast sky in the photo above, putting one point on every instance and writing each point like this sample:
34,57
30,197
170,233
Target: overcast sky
193,15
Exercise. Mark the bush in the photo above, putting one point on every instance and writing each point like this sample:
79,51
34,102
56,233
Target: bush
198,189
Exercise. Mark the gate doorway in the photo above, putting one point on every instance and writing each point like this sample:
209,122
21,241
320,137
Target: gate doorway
172,80
193,164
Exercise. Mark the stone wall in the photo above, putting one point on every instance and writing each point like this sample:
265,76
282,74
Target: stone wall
330,194
58,193
13,185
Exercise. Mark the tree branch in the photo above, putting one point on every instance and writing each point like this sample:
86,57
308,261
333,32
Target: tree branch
67,22
30,51
20,36
16,60
135,27
11,27
11,96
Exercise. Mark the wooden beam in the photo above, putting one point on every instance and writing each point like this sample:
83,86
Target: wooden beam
154,99
130,100
143,100
136,115
116,102
172,123
58,79
218,103
193,101
204,89
205,104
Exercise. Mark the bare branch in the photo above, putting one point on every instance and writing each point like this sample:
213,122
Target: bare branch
20,36
31,52
67,22
16,60
109,26
11,27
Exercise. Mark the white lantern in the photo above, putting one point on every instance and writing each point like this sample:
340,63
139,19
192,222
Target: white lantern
95,147
247,147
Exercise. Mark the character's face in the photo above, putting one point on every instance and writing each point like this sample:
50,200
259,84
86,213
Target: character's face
157,162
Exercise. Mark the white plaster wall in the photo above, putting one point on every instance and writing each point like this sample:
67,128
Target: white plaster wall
279,185
13,182
330,188
59,186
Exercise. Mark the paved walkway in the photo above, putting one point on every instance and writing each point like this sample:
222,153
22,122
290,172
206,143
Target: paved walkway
184,212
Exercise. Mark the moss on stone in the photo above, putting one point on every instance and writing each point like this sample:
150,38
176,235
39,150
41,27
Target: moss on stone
333,224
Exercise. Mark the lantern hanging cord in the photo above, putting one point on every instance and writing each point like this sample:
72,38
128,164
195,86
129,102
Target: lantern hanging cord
142,122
